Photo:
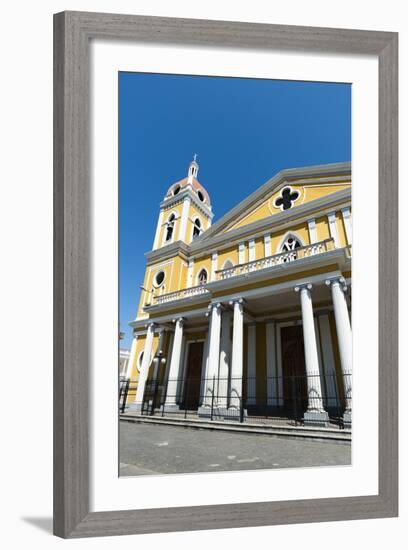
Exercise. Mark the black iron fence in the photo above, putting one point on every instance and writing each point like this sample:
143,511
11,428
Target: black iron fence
290,400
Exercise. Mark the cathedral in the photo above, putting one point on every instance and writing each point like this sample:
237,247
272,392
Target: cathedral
249,317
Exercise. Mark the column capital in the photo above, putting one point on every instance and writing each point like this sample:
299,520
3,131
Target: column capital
340,281
303,286
214,305
240,301
179,320
151,325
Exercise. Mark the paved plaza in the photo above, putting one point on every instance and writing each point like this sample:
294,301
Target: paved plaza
150,449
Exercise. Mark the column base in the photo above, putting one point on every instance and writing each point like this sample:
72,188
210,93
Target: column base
135,407
170,408
316,418
235,414
204,411
347,419
221,413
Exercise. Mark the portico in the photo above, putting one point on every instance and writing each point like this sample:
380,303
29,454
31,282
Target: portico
249,365
258,325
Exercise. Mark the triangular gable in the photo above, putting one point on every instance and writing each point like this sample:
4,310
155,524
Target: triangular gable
299,186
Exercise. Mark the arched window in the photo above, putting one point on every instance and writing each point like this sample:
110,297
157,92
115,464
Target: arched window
197,228
170,227
202,277
290,244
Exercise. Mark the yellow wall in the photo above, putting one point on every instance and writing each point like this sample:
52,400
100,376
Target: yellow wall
259,248
307,194
175,271
300,229
322,228
198,266
341,230
228,254
177,209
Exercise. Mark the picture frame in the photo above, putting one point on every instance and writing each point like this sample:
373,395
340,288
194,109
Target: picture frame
73,32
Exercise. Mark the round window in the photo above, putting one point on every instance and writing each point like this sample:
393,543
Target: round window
159,278
176,190
200,196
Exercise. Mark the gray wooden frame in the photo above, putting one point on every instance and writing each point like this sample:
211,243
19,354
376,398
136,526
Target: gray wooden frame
72,33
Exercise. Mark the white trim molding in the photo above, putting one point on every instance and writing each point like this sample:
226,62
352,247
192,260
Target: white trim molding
267,245
345,212
214,265
312,230
241,253
251,250
334,234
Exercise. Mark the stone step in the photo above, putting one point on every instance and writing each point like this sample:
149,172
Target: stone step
315,433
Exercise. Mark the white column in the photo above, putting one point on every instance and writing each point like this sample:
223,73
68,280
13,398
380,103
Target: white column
204,367
273,383
213,352
331,218
158,228
315,403
241,253
214,265
347,224
237,354
132,357
328,361
175,364
343,328
251,250
251,360
168,360
184,219
312,230
144,368
190,273
225,359
267,245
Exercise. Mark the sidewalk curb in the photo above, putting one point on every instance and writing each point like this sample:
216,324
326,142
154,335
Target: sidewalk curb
315,434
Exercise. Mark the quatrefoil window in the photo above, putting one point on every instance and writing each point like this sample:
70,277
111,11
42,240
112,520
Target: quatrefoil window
287,198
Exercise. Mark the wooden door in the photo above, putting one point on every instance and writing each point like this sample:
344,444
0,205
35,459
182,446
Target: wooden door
193,375
294,369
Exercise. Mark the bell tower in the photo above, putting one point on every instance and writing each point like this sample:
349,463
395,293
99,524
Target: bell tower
185,212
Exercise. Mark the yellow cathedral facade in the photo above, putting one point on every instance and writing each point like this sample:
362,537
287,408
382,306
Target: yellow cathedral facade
249,317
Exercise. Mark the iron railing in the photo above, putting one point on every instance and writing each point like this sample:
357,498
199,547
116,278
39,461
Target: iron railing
274,400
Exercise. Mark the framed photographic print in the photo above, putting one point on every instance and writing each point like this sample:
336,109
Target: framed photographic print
225,220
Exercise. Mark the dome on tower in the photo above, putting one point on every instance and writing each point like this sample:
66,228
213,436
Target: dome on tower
192,182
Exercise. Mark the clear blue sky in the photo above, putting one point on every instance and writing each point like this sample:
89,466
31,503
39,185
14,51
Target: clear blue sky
243,130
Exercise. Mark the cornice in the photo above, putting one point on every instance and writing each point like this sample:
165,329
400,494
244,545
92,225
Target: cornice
288,175
187,192
300,213
315,208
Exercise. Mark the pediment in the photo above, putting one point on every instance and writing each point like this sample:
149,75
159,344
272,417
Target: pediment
285,192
